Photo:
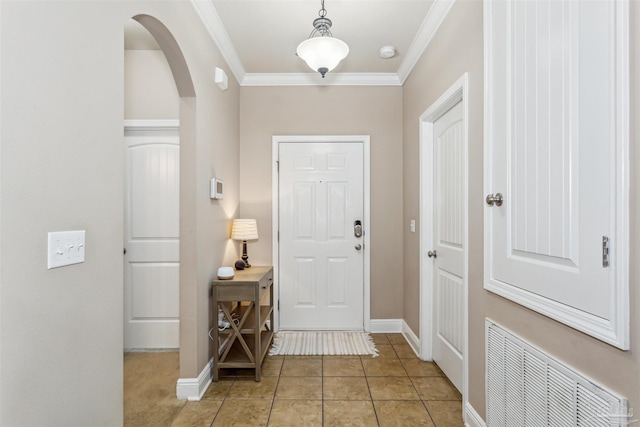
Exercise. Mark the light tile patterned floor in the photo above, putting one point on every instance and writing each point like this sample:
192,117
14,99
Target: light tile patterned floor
394,389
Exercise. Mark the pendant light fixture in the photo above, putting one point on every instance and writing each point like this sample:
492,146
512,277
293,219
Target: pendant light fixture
321,51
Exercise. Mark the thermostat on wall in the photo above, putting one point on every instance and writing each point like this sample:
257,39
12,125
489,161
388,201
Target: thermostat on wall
217,188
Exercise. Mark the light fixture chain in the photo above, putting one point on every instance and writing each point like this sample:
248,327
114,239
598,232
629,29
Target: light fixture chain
323,12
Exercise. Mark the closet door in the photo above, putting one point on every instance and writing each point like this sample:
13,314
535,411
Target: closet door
556,182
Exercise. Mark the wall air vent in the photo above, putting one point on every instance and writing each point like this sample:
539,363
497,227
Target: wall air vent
526,387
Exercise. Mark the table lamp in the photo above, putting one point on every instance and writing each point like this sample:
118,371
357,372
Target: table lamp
244,229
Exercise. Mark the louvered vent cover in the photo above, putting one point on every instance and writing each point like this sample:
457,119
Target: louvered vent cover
526,387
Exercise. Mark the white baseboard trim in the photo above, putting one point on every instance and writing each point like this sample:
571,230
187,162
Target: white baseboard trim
411,338
194,388
471,417
381,326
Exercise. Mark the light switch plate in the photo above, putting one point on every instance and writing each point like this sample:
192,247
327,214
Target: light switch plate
65,248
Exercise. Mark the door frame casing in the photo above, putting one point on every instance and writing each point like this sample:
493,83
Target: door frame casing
276,140
457,92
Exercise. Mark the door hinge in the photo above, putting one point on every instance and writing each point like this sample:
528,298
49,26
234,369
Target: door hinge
605,251
278,165
278,305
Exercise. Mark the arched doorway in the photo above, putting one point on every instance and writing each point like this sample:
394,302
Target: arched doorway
187,110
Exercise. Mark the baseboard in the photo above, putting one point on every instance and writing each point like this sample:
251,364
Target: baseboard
471,417
194,388
381,326
411,338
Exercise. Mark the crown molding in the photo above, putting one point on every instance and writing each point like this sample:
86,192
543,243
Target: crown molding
428,29
215,27
314,79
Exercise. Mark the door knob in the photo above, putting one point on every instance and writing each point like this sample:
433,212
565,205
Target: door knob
358,246
497,199
432,254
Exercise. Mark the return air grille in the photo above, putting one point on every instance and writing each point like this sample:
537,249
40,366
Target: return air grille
526,387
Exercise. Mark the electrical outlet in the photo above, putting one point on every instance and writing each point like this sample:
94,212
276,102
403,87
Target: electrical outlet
65,248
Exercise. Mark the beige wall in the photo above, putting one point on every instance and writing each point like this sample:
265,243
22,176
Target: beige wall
455,49
334,110
61,135
458,48
150,92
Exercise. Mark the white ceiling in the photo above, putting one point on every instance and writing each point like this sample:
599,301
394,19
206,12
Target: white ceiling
258,38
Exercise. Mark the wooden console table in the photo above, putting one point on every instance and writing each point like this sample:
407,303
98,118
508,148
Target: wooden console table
245,344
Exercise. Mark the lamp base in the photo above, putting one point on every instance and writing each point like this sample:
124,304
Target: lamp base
245,257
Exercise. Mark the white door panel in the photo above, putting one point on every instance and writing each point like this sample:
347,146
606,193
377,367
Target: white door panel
151,282
321,280
153,293
448,229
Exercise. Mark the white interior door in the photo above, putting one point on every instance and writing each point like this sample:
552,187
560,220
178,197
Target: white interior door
151,280
448,240
321,271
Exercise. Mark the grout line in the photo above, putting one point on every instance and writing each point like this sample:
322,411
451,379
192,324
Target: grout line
322,392
366,378
275,390
428,412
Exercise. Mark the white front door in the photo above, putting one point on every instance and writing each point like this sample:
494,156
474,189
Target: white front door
448,240
151,280
321,271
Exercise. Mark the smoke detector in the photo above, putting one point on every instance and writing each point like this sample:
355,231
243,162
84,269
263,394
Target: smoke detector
387,52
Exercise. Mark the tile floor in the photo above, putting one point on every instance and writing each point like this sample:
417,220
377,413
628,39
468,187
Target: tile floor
394,389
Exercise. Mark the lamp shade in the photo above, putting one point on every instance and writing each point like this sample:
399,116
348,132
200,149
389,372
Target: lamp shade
322,53
244,229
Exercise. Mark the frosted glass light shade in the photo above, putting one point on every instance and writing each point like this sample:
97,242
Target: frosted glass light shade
322,54
244,229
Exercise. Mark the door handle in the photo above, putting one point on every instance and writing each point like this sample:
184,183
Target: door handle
432,254
358,247
357,228
497,199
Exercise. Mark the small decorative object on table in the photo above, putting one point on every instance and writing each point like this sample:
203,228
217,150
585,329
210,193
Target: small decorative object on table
225,273
240,265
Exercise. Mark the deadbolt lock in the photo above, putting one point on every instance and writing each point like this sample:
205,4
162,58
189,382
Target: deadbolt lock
357,228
